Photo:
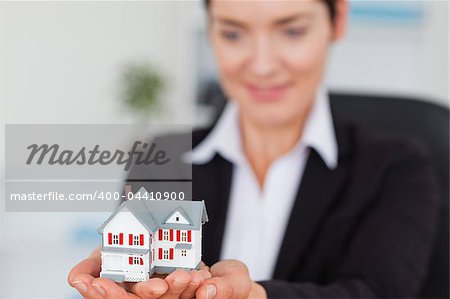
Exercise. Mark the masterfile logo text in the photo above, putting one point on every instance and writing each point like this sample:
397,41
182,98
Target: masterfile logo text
140,153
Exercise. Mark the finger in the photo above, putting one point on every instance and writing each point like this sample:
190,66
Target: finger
150,289
90,266
230,279
177,282
203,266
229,268
216,287
83,284
235,274
108,289
81,276
197,278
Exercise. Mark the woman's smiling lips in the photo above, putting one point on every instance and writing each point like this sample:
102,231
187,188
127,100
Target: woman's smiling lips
266,93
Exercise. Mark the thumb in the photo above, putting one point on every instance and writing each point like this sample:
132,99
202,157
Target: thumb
230,280
229,268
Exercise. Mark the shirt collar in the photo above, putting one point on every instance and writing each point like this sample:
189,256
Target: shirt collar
225,139
319,132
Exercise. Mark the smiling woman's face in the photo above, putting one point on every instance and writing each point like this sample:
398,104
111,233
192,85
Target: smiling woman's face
271,56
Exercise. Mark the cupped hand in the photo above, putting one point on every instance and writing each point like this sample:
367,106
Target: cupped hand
180,284
230,280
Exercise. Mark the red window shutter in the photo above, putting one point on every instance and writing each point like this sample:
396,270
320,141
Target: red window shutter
171,235
110,238
178,235
130,239
189,236
121,238
130,260
141,261
160,253
141,239
171,253
160,234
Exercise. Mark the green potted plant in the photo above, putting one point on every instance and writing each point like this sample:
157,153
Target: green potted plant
143,86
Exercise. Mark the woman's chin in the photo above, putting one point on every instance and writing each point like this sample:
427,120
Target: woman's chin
281,113
271,120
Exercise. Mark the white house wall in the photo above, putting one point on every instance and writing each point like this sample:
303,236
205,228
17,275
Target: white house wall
136,272
152,253
126,223
197,239
117,262
165,245
190,261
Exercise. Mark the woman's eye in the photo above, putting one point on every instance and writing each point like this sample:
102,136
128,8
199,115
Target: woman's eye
295,32
231,35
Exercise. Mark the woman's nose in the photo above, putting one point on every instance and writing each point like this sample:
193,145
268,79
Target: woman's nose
263,61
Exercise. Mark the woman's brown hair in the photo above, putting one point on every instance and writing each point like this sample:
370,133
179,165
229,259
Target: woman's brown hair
331,5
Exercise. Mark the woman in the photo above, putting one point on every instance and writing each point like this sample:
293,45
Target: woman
302,203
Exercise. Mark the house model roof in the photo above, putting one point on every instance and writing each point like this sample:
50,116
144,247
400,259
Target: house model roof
153,214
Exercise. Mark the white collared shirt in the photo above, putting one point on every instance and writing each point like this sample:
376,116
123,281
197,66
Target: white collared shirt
257,218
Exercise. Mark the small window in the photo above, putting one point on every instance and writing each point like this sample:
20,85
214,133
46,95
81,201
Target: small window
115,239
136,261
166,235
184,236
177,218
136,240
183,253
166,254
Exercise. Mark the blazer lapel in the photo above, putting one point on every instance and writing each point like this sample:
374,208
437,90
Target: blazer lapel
318,189
212,182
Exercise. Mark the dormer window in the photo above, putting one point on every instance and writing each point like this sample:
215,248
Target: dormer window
178,216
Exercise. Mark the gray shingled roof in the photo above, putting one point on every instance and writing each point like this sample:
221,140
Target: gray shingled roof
154,213
183,246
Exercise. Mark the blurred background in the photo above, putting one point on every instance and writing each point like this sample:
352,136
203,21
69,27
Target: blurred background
70,62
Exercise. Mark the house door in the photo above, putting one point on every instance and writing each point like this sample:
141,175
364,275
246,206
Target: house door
184,259
112,262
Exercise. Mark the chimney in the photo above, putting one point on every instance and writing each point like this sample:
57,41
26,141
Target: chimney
127,192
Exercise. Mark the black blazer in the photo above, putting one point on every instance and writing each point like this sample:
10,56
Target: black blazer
362,230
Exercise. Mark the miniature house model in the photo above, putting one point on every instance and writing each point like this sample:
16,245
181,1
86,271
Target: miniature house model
143,237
